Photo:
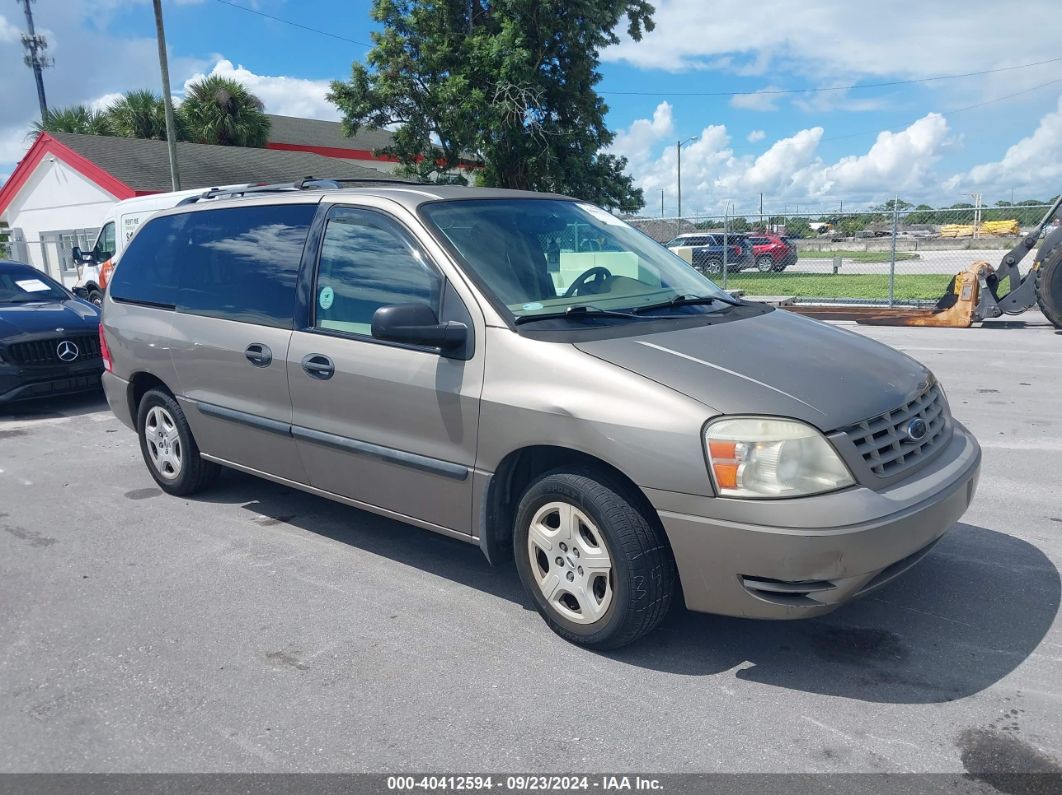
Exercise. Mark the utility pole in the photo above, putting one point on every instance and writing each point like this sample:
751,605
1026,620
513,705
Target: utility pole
678,164
661,202
762,227
35,59
678,176
171,124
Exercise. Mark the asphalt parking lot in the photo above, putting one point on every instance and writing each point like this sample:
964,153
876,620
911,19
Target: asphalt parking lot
256,628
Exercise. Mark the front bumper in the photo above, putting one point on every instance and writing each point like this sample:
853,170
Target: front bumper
804,557
26,383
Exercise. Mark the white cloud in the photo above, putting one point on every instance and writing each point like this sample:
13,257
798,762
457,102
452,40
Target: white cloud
755,135
1032,166
766,99
286,96
8,32
836,38
636,141
899,161
789,170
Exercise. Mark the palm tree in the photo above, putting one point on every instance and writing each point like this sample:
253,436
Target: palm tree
140,114
75,119
217,110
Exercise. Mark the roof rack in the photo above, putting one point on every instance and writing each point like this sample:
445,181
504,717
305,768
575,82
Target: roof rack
306,183
321,183
220,193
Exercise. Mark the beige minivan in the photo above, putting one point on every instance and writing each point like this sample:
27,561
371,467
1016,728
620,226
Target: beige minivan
463,360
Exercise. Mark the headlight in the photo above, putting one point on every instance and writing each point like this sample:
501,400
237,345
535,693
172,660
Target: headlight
765,458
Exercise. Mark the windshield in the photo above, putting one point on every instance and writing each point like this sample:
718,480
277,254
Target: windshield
24,286
542,256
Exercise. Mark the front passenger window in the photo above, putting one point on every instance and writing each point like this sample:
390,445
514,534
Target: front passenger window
366,262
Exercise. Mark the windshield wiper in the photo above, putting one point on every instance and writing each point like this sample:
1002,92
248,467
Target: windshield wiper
580,311
686,300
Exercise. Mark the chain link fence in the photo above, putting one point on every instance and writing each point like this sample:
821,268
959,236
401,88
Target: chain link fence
904,257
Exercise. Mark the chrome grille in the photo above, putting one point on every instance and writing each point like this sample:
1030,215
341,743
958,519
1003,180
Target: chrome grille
883,441
43,352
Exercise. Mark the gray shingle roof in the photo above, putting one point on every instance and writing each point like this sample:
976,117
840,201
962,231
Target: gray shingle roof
315,132
144,165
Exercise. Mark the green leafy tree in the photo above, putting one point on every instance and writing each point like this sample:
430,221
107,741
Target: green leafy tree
75,119
509,83
140,114
798,227
217,110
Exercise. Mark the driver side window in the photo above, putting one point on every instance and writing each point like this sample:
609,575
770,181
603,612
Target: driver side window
104,248
367,261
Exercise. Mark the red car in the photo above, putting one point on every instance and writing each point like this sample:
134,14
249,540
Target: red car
772,252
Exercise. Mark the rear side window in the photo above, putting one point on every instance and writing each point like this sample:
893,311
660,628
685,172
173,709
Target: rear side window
234,263
147,273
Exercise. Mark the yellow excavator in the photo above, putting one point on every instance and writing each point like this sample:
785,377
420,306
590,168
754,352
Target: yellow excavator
980,292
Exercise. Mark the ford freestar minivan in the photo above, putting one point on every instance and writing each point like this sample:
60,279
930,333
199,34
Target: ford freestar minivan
459,359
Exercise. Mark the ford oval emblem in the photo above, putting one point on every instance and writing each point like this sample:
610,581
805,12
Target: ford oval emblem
917,430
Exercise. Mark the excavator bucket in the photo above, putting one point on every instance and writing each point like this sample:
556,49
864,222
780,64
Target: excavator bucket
955,309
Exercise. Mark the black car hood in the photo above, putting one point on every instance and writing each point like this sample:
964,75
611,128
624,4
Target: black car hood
39,318
778,363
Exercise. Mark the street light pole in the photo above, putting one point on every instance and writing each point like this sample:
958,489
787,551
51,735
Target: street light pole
167,100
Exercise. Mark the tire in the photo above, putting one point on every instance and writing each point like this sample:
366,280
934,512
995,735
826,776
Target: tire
765,264
169,449
1049,286
607,606
710,266
96,297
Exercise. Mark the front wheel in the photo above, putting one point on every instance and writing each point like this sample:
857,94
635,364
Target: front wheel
1049,286
169,449
96,297
765,264
597,567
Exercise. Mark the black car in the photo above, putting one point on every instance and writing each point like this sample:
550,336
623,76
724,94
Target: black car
49,340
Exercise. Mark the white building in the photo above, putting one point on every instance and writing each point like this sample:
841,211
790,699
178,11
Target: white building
60,191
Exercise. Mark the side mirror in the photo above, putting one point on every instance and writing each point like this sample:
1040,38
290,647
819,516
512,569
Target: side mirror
417,324
82,257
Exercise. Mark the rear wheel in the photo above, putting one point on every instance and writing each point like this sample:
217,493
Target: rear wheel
598,569
169,449
710,266
1049,286
765,264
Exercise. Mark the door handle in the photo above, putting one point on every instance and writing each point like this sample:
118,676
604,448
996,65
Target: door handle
258,354
318,366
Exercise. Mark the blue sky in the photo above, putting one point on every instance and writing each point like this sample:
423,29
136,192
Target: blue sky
811,148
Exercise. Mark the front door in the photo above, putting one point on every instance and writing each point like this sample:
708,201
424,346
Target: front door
391,426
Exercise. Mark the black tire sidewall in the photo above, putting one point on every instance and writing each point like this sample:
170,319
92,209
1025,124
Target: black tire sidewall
560,487
1049,286
185,482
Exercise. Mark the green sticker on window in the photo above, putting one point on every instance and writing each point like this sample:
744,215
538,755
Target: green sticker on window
327,297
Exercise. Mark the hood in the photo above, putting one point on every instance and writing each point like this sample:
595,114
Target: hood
72,316
778,363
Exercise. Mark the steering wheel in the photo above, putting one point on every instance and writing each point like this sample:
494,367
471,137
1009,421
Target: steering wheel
600,277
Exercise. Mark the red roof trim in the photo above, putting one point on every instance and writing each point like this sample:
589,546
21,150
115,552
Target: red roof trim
332,151
346,154
46,145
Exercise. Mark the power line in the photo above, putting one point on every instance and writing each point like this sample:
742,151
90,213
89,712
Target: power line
825,88
955,110
293,24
